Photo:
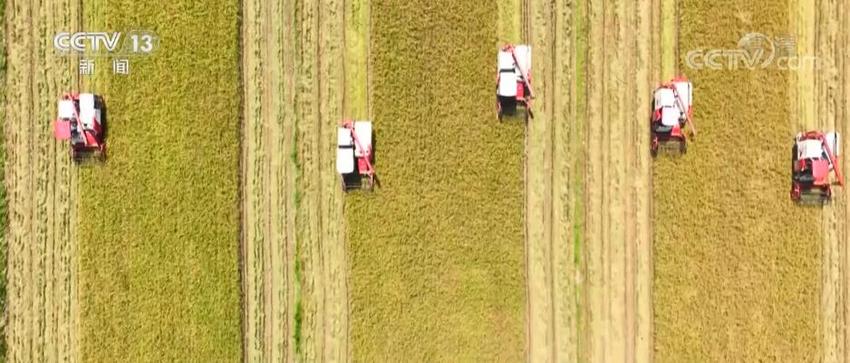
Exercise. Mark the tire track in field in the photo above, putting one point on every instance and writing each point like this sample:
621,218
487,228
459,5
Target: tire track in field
553,153
268,181
618,260
818,101
40,184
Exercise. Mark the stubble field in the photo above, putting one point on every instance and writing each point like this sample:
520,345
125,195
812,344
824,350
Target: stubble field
41,320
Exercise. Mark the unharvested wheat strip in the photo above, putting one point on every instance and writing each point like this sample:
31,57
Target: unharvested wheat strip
509,28
668,38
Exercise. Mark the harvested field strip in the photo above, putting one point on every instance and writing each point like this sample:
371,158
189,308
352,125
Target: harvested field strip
818,101
736,263
268,180
41,265
158,255
553,148
319,221
436,252
617,258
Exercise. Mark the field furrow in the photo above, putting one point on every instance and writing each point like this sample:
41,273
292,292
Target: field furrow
41,266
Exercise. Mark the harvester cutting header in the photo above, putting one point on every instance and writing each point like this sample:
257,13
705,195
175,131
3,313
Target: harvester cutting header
814,155
81,122
513,80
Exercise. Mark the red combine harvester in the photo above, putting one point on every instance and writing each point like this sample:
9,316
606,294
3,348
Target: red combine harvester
354,155
814,155
81,122
672,110
513,80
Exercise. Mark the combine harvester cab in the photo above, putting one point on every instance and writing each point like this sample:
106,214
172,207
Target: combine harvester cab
672,110
513,81
814,156
355,156
81,122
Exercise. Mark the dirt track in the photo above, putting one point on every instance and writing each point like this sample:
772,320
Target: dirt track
818,101
291,197
41,288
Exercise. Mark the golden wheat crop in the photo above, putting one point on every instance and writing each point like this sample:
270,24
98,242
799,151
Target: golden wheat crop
437,251
158,232
736,263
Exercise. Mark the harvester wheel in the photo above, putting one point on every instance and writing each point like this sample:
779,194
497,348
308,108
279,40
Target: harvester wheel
683,147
